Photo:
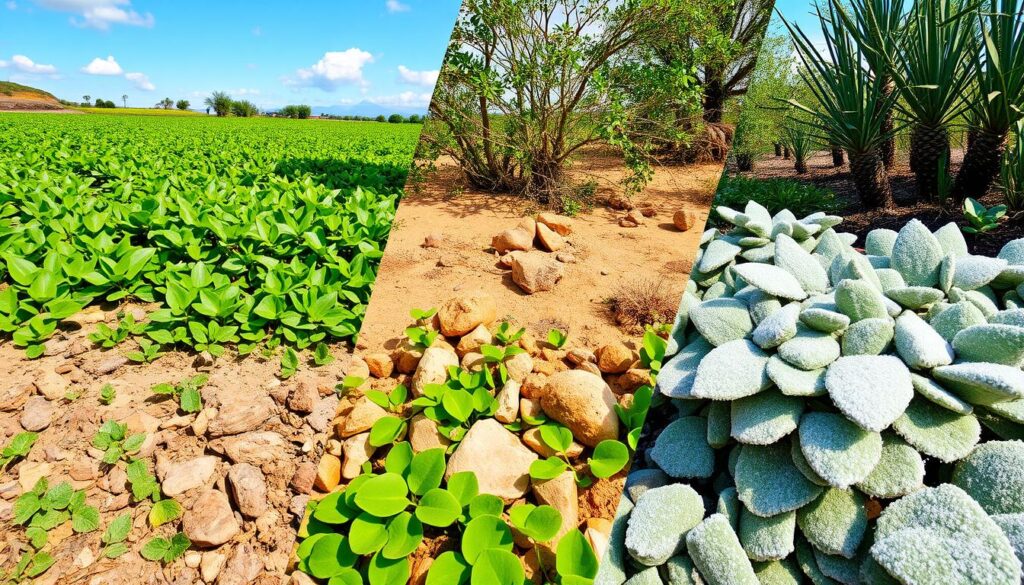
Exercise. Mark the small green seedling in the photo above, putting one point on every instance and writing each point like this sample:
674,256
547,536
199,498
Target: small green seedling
19,447
44,508
163,550
322,355
116,444
349,383
982,219
289,363
107,394
144,486
422,315
114,536
106,337
148,351
504,334
557,338
421,337
185,392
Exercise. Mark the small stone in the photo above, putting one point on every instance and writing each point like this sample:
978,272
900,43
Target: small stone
685,220
512,239
328,472
532,439
182,476
536,272
561,494
249,488
211,565
357,451
303,478
614,358
460,315
380,364
549,239
559,223
304,395
497,457
37,414
564,258
433,368
210,522
472,341
508,402
433,240
361,418
584,403
242,414
52,385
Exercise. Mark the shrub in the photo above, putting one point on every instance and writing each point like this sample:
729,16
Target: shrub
813,385
644,302
775,195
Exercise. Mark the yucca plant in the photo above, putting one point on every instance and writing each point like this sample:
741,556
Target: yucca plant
800,141
933,71
1012,173
879,25
995,106
851,105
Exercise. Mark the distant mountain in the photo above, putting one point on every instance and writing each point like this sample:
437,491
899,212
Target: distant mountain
366,109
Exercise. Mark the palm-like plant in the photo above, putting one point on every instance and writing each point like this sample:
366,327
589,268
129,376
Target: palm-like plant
879,25
995,106
933,71
220,102
800,140
851,104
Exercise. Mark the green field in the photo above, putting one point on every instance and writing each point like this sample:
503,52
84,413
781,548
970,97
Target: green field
139,112
247,232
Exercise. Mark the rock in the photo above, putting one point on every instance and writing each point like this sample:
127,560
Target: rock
472,341
241,415
211,565
433,240
627,223
193,559
256,448
303,478
423,434
584,403
536,271
508,401
210,522
460,315
530,408
519,366
360,419
614,358
249,488
106,366
13,397
406,357
549,240
685,219
52,385
533,385
37,414
357,451
32,471
560,224
328,473
473,362
533,440
242,568
636,216
512,239
304,395
380,364
500,461
630,381
182,476
320,419
433,368
565,258
529,225
560,493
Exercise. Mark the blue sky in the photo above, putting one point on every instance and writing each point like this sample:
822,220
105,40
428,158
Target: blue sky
328,53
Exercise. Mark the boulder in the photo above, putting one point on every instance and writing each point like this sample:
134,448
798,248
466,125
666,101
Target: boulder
497,457
536,271
557,223
583,402
549,239
460,315
433,368
515,238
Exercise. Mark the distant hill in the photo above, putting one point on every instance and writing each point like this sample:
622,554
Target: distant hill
14,96
367,109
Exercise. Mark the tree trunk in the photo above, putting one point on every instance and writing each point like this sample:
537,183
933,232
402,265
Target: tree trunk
714,95
888,150
929,146
837,156
785,152
871,180
981,165
800,164
744,162
778,149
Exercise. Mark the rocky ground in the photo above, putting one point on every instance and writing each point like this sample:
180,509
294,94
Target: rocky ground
576,386
240,468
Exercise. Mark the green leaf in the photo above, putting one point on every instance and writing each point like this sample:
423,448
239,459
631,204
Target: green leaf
497,567
556,436
118,529
485,532
163,512
333,509
367,534
115,550
426,471
575,557
450,568
405,532
190,400
383,496
346,577
155,549
549,468
486,504
85,519
379,398
59,496
464,486
386,430
540,523
25,506
609,457
384,571
458,404
329,554
438,507
399,458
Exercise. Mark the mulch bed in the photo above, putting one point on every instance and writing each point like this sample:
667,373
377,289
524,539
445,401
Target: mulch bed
858,221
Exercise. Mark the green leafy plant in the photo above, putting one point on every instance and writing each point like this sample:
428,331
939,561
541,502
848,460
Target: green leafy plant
289,363
148,352
322,355
106,337
116,444
557,338
505,335
18,447
422,315
186,392
982,219
114,536
421,337
44,508
164,550
107,394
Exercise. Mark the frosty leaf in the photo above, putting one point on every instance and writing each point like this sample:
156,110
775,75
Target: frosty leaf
830,245
872,391
722,320
916,254
1008,317
997,344
778,327
920,346
927,388
956,318
679,570
993,474
859,300
794,381
810,350
732,370
800,462
782,572
659,523
982,383
824,320
938,432
676,377
879,242
766,539
761,305
890,279
899,472
613,565
1013,411
951,240
768,483
719,423
868,337
716,551
841,569
729,506
1012,526
976,271
798,262
765,418
915,297
835,523
681,449
837,450
716,255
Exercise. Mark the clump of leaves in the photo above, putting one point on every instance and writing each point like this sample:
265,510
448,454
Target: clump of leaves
148,351
165,550
557,338
144,486
116,444
506,335
107,394
421,337
322,355
106,337
114,536
19,447
982,219
44,508
185,392
289,363
609,457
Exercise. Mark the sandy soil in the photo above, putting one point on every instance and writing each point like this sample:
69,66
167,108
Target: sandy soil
31,103
607,256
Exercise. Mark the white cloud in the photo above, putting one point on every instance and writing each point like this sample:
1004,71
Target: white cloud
336,68
25,65
243,91
396,6
406,99
141,81
100,14
11,5
108,66
424,78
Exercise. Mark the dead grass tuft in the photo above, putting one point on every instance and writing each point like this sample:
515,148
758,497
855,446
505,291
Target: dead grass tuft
642,303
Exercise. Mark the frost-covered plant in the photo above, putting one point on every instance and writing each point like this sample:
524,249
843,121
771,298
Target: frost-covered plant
842,416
